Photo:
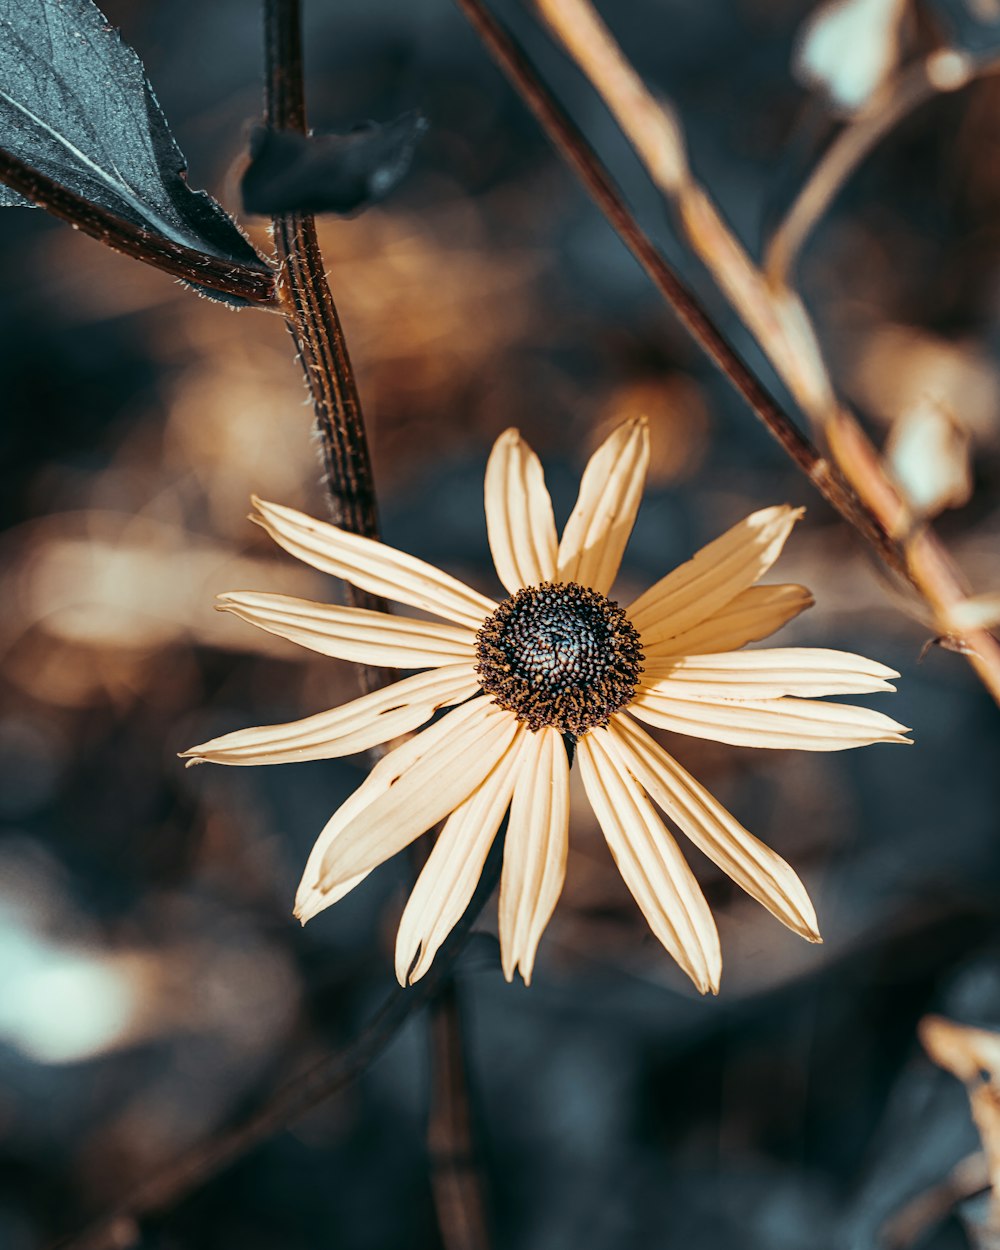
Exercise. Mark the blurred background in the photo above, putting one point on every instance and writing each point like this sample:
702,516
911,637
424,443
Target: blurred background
153,984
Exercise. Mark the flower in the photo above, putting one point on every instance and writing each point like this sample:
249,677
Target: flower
555,662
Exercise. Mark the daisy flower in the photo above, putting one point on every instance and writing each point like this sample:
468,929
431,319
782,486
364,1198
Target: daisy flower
556,664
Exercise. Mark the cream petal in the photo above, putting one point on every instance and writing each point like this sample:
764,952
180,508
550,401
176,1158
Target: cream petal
466,744
755,613
519,520
755,867
356,726
418,787
599,526
353,633
372,565
696,590
448,879
766,674
650,862
791,724
535,850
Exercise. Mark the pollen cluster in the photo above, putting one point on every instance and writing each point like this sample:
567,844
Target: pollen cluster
559,654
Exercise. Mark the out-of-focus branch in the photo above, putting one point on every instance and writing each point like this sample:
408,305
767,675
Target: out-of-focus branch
455,1175
944,70
858,486
918,1217
571,144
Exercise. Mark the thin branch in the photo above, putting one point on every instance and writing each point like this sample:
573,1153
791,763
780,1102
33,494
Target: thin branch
455,1176
574,148
922,1214
245,282
855,483
119,1228
944,70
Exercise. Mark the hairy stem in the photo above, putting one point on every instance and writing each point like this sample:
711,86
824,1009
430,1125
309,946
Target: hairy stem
313,319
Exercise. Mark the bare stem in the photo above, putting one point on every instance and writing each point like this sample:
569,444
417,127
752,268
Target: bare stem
855,483
580,156
455,1176
944,70
244,282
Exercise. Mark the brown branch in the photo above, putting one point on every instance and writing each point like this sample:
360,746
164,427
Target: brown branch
255,285
455,1176
574,148
943,71
854,482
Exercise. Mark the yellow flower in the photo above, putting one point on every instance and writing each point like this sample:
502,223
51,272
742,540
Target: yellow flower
556,661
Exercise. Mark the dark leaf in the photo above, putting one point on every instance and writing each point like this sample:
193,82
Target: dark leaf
329,173
75,105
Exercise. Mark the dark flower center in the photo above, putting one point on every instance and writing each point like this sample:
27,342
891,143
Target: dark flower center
561,655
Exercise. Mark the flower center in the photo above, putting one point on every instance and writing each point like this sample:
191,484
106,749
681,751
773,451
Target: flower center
561,655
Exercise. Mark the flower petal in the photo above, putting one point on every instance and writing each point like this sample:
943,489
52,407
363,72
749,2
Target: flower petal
599,526
755,867
535,851
444,742
354,633
696,590
448,879
356,726
519,520
796,724
650,862
372,565
417,785
766,674
755,613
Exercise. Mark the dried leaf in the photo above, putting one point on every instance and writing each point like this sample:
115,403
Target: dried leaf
973,1055
847,49
928,455
329,173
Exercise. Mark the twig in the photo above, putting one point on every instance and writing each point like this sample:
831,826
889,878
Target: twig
312,315
855,484
119,1228
577,152
923,1213
944,70
245,282
455,1176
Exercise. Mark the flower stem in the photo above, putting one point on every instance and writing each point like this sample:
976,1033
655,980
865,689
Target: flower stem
312,316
